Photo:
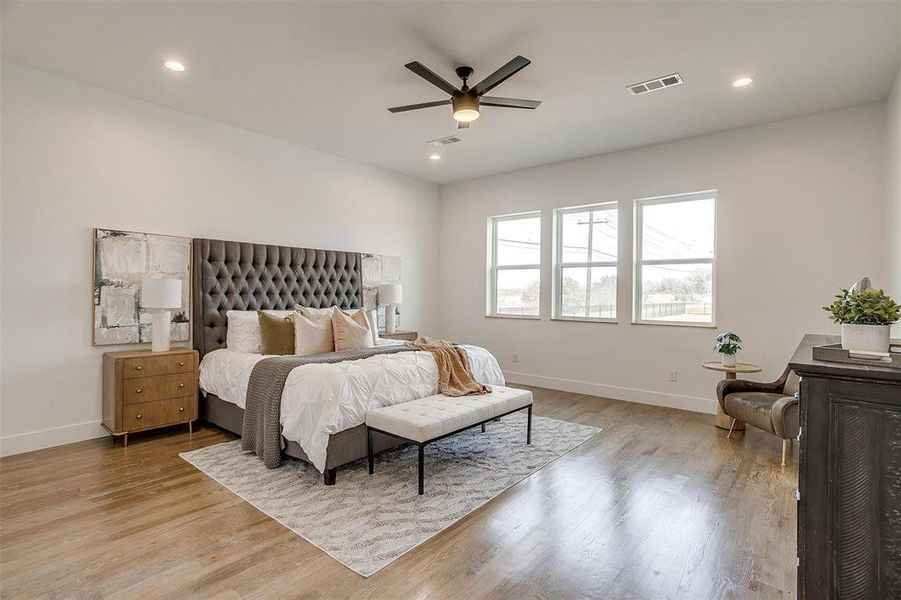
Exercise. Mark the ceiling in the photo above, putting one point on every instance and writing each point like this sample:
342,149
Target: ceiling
322,74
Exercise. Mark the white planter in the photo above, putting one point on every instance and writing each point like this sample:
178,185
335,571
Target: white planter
728,360
873,338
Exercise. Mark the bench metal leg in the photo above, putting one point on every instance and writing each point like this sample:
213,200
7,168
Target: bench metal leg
529,428
369,450
483,428
421,470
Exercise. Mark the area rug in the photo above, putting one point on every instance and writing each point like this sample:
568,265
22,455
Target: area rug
367,521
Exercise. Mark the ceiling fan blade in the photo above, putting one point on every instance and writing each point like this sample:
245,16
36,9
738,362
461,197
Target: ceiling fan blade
508,102
463,125
397,109
501,75
430,76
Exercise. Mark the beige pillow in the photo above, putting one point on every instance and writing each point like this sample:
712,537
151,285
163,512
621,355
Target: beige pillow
313,335
351,332
371,317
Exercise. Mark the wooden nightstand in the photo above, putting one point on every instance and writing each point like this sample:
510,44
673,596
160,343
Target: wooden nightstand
399,335
145,390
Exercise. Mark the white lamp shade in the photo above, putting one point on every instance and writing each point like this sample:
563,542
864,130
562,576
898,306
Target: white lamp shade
390,294
161,293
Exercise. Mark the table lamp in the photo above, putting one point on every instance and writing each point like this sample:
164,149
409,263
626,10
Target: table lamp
389,297
158,296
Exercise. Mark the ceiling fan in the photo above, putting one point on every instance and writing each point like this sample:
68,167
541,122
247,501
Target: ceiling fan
467,100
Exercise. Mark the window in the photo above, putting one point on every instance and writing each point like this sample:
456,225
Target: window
585,262
675,255
514,264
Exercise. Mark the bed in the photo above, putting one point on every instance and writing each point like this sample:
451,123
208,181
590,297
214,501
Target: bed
245,276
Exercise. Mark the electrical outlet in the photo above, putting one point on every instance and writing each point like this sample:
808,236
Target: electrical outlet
672,375
515,358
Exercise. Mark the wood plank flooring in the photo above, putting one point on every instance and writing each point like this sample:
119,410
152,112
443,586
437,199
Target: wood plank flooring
659,505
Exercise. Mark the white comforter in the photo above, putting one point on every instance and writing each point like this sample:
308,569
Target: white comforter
322,399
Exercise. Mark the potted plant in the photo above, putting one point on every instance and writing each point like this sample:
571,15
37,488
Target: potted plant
728,345
866,316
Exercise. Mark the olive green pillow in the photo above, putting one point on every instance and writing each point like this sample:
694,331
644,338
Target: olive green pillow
276,334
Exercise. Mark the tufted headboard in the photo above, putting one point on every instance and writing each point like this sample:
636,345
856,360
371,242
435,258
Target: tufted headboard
243,276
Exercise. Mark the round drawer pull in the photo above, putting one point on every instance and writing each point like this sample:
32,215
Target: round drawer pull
181,385
138,391
181,364
138,416
182,409
139,368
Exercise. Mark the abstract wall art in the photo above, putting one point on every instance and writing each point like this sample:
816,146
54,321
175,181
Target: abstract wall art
121,260
378,270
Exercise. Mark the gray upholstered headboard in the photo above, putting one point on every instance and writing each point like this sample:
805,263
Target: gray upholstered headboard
243,276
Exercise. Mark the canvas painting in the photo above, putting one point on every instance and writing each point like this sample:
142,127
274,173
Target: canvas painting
121,260
378,270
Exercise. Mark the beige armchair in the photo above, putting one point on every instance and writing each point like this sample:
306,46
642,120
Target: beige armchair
772,407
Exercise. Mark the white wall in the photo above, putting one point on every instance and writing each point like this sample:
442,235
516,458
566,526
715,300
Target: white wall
893,185
801,210
76,157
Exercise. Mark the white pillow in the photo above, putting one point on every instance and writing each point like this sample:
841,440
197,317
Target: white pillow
351,332
244,329
313,335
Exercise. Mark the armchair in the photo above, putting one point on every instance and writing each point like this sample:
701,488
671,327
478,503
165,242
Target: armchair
772,407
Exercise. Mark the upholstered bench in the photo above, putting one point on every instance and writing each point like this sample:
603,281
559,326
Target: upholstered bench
432,418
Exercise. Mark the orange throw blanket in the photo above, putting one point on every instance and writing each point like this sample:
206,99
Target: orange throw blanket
454,375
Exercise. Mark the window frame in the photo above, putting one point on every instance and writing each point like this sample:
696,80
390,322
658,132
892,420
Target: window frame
639,261
493,267
559,265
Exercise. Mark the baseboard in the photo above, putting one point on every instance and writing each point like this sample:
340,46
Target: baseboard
692,403
47,438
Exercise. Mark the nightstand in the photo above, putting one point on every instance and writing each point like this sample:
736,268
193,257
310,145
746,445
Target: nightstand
399,335
146,390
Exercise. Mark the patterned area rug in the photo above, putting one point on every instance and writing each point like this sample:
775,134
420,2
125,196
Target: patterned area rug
367,521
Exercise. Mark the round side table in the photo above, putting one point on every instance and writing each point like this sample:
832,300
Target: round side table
722,420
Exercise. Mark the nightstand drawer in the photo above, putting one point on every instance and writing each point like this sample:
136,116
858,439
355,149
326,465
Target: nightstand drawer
147,366
161,412
147,389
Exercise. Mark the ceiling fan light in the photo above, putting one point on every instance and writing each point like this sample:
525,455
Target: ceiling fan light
466,108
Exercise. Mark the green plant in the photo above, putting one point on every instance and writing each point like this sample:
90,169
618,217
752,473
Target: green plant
727,343
864,307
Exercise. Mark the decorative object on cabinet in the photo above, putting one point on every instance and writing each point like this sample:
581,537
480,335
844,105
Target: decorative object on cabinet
722,420
159,296
866,316
146,390
727,344
390,296
400,334
122,259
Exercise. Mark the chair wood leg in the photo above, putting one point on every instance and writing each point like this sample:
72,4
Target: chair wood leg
784,450
731,428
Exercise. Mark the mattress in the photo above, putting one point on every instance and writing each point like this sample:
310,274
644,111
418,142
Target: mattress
323,399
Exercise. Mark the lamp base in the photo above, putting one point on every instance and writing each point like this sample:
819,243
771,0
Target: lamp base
162,325
390,319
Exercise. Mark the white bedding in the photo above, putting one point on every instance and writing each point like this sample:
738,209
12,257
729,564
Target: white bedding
322,399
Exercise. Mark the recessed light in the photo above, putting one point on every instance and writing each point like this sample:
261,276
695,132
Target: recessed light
742,82
434,157
174,65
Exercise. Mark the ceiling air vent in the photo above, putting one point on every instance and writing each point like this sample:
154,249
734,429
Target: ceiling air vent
445,141
653,85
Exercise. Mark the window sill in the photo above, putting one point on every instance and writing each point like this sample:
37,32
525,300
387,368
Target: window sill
524,317
677,324
586,320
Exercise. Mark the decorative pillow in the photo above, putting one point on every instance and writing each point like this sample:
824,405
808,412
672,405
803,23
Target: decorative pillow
313,335
372,317
244,329
352,331
276,334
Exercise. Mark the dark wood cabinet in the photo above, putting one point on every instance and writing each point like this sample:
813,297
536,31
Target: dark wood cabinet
849,480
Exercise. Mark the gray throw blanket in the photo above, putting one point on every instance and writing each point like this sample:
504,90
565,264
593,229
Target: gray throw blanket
262,430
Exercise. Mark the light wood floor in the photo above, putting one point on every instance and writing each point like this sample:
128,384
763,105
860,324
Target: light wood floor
659,505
